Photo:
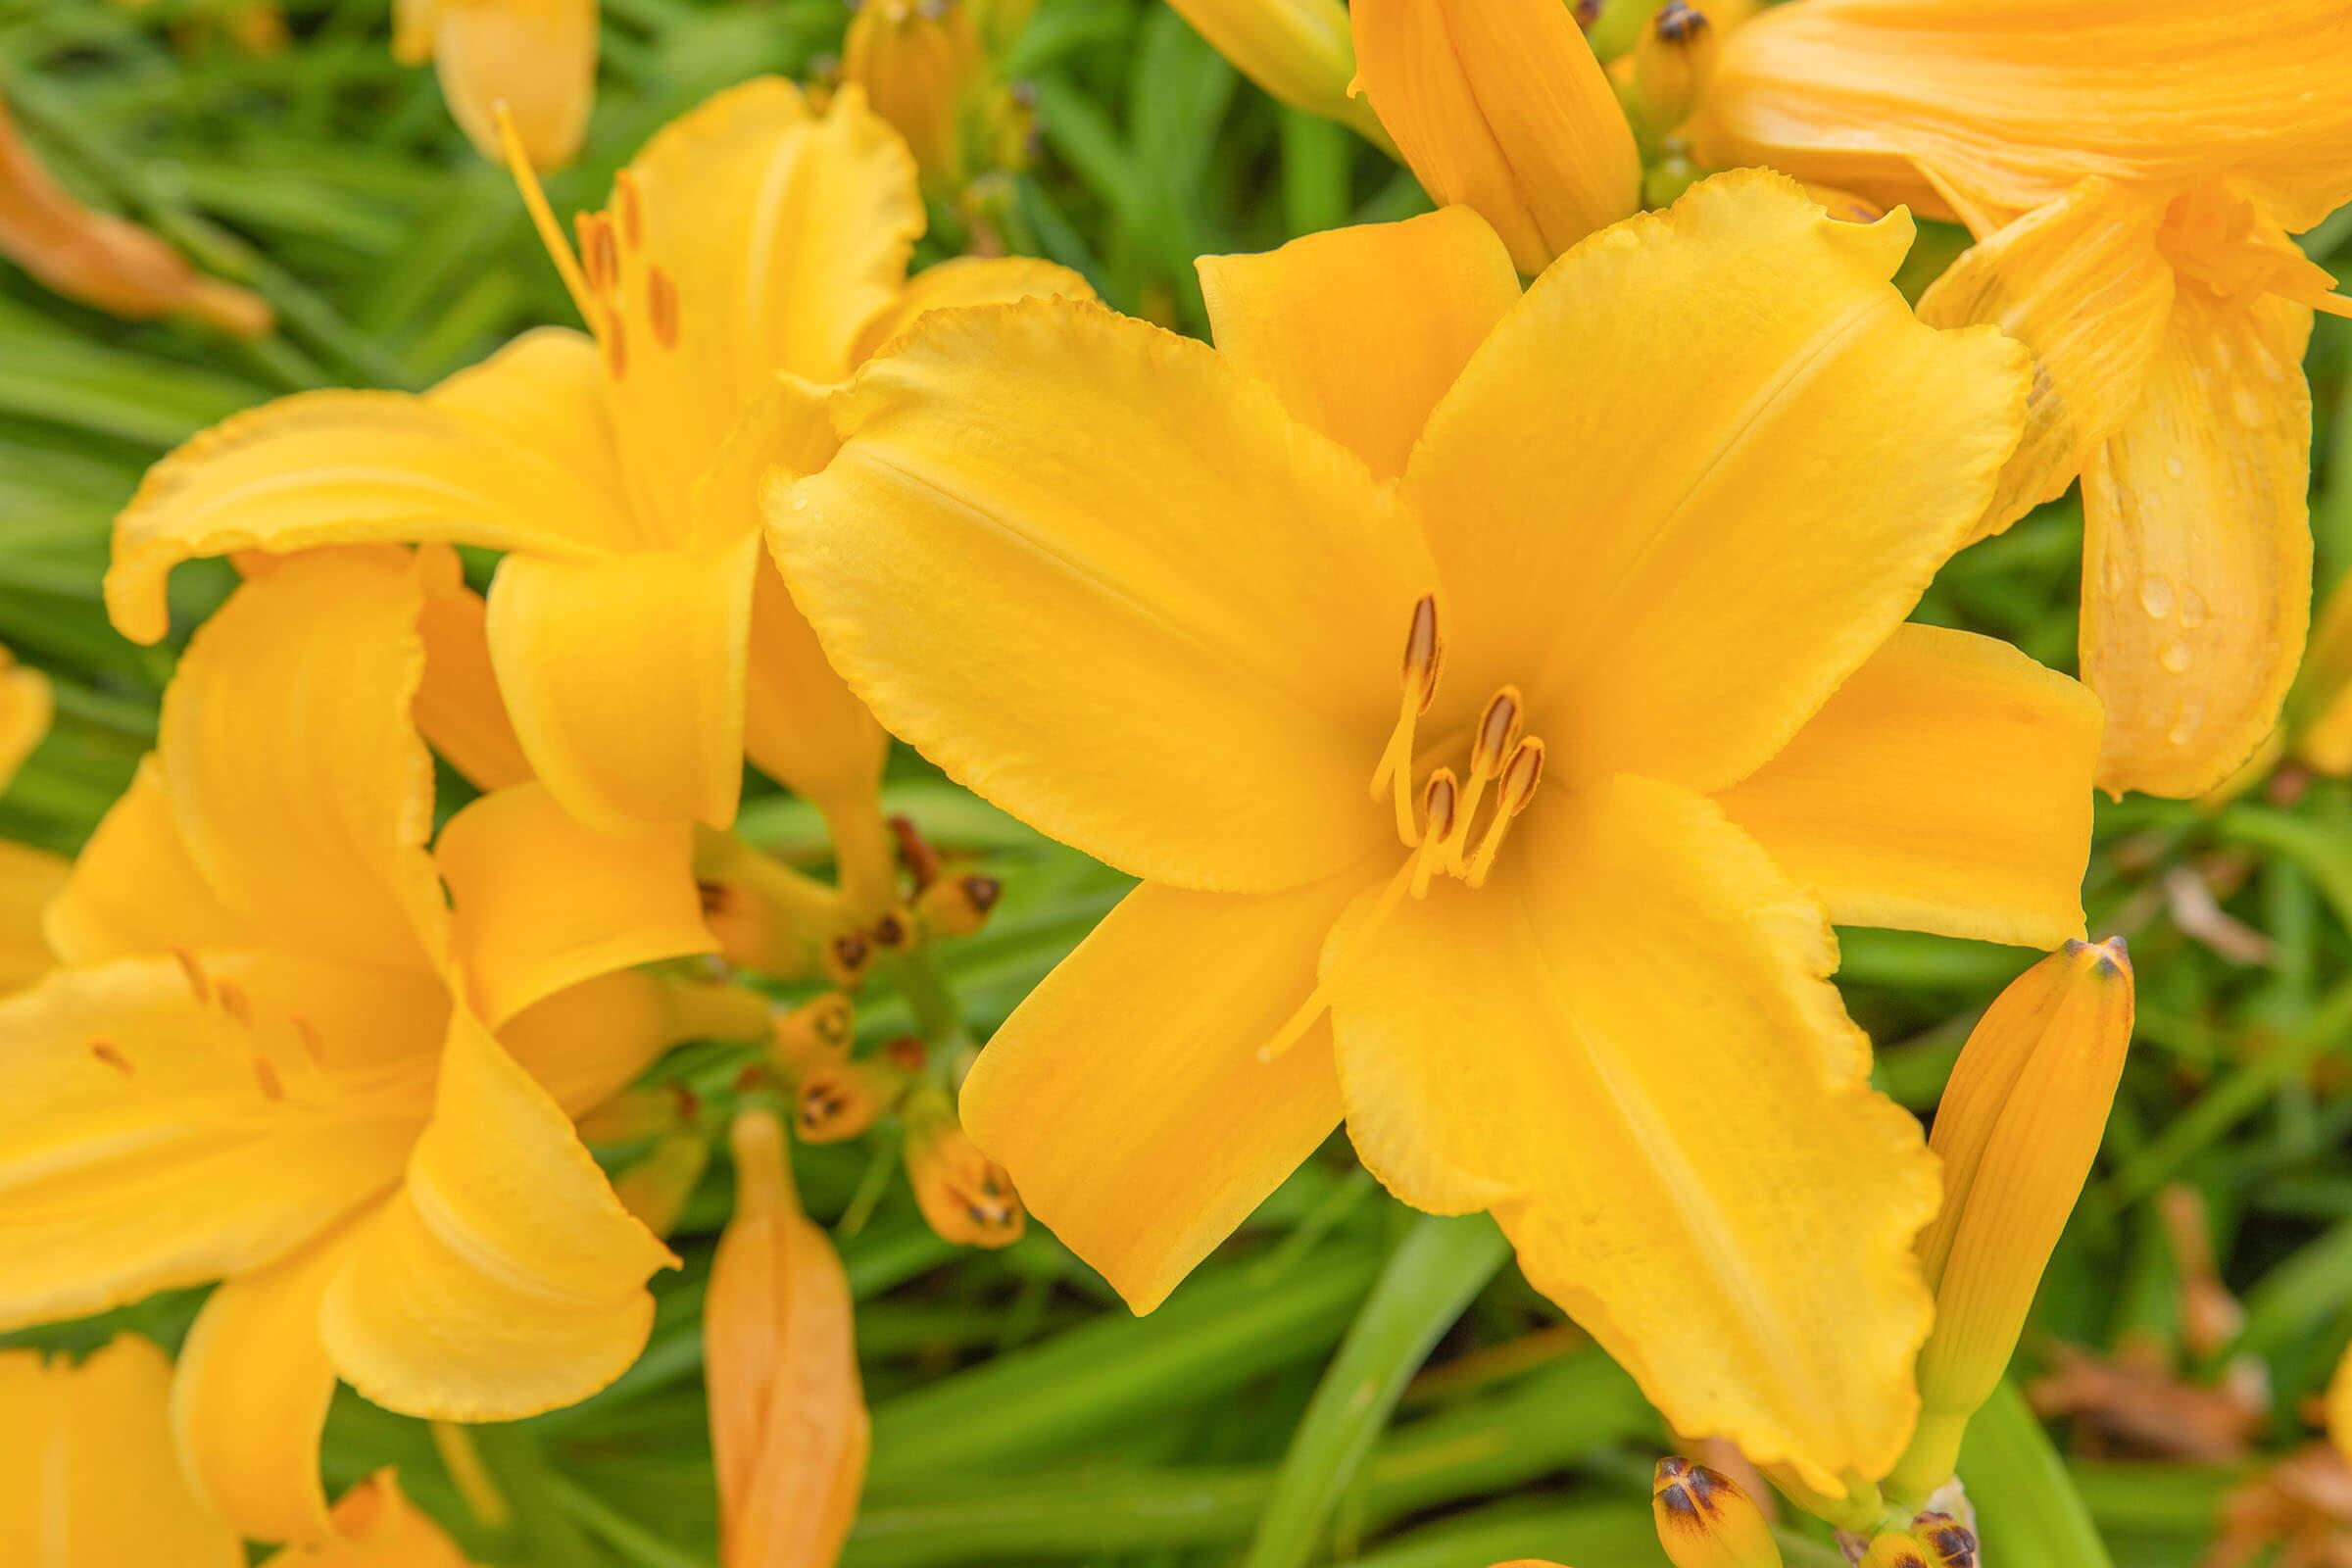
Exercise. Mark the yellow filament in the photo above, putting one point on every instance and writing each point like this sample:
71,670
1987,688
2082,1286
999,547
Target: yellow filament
1318,1001
1443,795
543,217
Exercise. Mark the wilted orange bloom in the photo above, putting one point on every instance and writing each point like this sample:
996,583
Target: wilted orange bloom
789,1431
104,261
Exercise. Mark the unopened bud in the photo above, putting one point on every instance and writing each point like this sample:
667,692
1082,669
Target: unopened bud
811,1035
1933,1540
656,1188
1298,50
1498,105
1706,1521
2016,1130
893,932
1672,62
840,1100
957,904
639,1113
921,63
965,1196
537,57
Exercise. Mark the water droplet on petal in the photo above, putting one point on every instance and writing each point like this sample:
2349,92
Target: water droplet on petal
2156,595
2184,729
2175,658
2194,609
2251,410
800,503
2175,466
2111,577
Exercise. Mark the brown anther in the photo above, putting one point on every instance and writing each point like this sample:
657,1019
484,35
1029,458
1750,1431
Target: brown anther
893,933
906,1051
915,852
715,896
632,208
1424,652
983,891
1498,730
616,349
662,307
107,1052
313,1044
199,986
1678,22
847,956
264,1075
234,1002
1439,798
1521,774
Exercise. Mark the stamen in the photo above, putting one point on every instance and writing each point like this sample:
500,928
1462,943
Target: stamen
306,1032
264,1075
198,986
1519,776
1424,651
543,217
616,349
1424,657
1439,801
1498,730
662,307
632,208
1318,1001
107,1052
235,1002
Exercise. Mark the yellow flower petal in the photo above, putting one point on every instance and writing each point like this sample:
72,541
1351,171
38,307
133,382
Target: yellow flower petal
1945,788
30,879
457,705
780,234
1499,105
2322,699
966,281
623,677
2196,557
294,772
1148,615
26,708
1361,331
136,891
376,1527
140,1148
1298,50
1625,1044
1699,473
1144,1155
2002,106
537,57
2081,283
803,725
541,903
504,1278
250,1399
587,1042
337,468
88,1475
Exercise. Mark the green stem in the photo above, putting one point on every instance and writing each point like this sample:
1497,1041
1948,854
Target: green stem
617,1530
937,1016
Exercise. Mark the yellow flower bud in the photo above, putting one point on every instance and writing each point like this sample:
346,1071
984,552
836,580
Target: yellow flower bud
638,1113
812,1035
1933,1540
1672,62
1706,1521
656,1188
536,55
957,905
965,1196
1298,50
1498,105
919,62
839,1099
2018,1127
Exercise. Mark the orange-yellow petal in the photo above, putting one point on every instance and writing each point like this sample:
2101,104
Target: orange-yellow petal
540,903
966,281
1698,474
623,677
1126,1097
457,705
142,1148
26,708
2196,552
1626,1046
293,769
1945,788
136,891
1361,331
88,1475
340,468
376,1526
537,57
1499,105
2081,284
29,880
1149,614
2003,104
250,1398
503,1278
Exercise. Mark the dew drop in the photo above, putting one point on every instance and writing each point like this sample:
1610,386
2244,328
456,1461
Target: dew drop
2175,466
2156,595
2111,577
800,503
2175,658
2185,727
2194,609
2251,410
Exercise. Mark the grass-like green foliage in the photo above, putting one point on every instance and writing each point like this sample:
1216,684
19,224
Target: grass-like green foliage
1271,1412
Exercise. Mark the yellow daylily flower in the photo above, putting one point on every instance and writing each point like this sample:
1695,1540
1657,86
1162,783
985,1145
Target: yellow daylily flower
1705,1520
28,877
2132,178
1499,105
1666,511
537,57
641,645
103,261
268,1054
1299,51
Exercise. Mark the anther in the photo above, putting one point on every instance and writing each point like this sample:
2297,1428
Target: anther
235,1002
1519,776
662,307
1424,657
198,986
306,1032
1441,801
264,1075
632,208
1498,730
1424,652
616,349
107,1052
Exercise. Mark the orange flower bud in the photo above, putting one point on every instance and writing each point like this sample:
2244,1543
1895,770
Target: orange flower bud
1933,1540
1498,105
538,57
839,1099
965,1196
920,64
957,904
816,1034
1705,1520
2018,1127
789,1431
637,1114
1672,62
103,261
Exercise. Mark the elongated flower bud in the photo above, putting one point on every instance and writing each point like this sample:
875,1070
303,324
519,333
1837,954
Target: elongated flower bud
1933,1540
1706,1521
957,905
1672,62
1298,50
2018,1125
921,63
1498,105
538,57
789,1431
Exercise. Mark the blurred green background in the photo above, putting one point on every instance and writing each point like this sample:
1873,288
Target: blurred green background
1020,1415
